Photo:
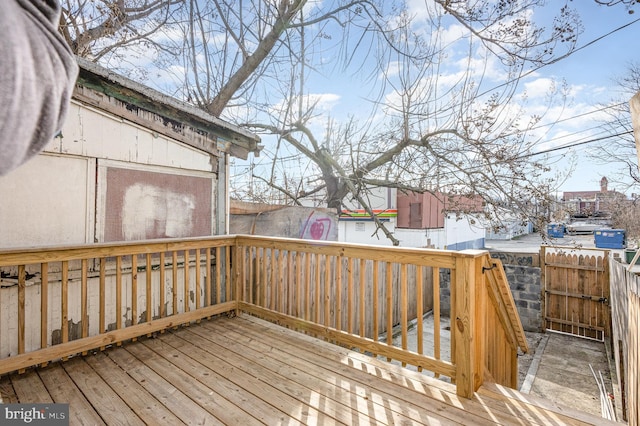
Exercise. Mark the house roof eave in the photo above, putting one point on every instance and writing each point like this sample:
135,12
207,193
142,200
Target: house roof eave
231,139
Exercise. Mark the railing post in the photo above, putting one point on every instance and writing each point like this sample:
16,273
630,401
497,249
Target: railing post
237,273
480,320
468,322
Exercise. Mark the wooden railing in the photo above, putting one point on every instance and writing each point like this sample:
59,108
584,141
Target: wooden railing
349,294
55,303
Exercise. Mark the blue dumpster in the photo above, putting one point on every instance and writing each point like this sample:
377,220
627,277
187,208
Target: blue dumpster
555,230
610,238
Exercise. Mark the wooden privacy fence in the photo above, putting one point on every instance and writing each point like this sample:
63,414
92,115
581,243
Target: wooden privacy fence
625,324
576,291
56,303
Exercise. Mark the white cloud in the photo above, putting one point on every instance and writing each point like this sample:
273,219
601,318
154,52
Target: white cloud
539,88
452,34
319,102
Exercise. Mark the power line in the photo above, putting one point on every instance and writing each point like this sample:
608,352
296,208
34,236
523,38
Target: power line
577,135
604,108
531,71
576,144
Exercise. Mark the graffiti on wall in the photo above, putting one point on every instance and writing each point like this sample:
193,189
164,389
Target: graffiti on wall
318,226
288,222
518,259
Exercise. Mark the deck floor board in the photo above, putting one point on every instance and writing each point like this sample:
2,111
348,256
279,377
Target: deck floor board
247,371
345,398
161,387
397,390
63,390
30,389
384,402
220,388
146,407
244,374
106,402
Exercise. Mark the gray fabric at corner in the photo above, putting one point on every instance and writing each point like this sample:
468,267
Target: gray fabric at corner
37,75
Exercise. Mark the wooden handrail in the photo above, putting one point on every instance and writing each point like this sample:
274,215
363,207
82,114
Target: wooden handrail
78,252
345,293
501,361
503,301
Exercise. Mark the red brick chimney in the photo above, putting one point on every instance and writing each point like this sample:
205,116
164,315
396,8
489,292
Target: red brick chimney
603,184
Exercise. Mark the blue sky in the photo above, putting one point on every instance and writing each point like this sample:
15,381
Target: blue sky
589,73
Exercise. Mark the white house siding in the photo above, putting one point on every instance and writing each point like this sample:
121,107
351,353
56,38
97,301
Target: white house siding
364,232
456,235
52,199
378,198
422,238
59,198
91,133
411,237
459,233
48,200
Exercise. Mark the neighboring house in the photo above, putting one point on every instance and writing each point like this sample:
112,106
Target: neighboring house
129,164
416,220
591,204
442,221
355,224
507,226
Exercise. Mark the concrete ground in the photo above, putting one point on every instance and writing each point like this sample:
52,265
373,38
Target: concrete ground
561,368
530,243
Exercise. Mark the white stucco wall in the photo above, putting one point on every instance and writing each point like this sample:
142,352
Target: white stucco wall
457,234
463,232
421,238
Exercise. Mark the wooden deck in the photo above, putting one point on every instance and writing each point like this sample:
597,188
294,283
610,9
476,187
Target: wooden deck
247,371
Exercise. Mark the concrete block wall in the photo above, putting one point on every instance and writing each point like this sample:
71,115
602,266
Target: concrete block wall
525,288
523,275
445,292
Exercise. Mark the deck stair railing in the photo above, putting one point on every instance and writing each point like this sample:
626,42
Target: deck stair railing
60,302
